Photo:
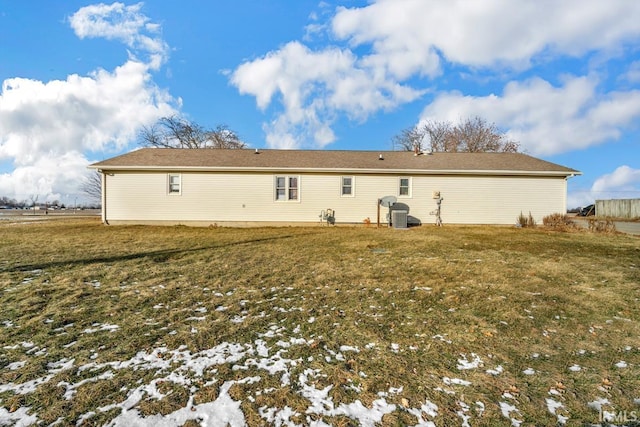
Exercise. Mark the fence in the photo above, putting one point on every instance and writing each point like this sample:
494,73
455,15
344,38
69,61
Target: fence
619,208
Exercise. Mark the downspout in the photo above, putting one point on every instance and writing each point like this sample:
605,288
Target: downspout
566,189
104,198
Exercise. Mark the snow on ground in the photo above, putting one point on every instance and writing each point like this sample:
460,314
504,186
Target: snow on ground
266,356
184,368
473,363
252,363
554,407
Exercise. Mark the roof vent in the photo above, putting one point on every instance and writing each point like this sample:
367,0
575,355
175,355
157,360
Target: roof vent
380,157
257,152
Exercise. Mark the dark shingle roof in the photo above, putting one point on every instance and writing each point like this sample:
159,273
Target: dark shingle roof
330,161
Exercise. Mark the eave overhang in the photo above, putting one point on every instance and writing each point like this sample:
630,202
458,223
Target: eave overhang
336,171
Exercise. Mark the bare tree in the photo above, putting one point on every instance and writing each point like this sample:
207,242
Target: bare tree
471,135
92,186
409,139
34,199
176,132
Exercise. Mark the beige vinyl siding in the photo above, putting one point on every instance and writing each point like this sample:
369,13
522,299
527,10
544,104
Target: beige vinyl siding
491,200
220,197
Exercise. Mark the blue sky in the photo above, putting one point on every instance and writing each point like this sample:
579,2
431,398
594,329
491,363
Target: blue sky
79,79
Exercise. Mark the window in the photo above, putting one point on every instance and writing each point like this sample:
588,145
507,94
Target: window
404,189
286,188
174,183
347,186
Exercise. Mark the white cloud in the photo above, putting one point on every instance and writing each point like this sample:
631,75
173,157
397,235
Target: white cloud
483,34
123,23
313,87
101,111
46,126
391,43
544,118
49,178
624,182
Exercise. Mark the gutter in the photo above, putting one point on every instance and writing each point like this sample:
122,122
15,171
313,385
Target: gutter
353,171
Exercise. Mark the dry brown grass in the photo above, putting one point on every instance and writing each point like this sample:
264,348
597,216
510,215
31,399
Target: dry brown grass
412,302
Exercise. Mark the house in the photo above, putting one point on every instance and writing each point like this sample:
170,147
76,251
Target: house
286,187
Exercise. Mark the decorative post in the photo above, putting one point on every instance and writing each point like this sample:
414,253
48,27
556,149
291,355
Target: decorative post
438,199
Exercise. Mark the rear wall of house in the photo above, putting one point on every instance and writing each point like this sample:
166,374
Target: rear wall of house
235,197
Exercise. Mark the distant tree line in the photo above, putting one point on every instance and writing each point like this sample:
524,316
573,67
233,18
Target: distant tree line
11,203
8,203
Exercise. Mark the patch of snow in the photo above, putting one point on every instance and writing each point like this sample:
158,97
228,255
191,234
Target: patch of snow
529,371
61,365
554,392
98,327
597,404
277,417
17,418
15,366
73,388
464,363
507,409
455,381
366,417
222,412
575,368
553,406
462,413
26,387
497,371
395,390
621,364
238,319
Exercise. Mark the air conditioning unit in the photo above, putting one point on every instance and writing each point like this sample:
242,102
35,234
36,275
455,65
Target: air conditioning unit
399,218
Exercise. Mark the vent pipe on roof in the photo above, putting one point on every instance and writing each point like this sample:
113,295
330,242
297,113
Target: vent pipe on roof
257,152
380,157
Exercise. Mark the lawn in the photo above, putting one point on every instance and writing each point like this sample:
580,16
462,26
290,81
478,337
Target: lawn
340,326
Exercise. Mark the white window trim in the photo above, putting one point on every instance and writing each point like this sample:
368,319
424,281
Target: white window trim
353,186
174,193
286,188
405,196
